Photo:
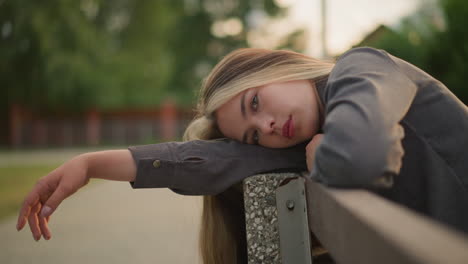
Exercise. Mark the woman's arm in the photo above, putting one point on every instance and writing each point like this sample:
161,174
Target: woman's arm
208,167
366,97
62,182
116,165
196,167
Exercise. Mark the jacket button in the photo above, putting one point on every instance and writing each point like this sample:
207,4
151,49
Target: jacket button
157,163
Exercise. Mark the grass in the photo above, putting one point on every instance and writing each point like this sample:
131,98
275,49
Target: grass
16,182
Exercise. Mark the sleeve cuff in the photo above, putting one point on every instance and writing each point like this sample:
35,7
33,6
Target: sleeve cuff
155,166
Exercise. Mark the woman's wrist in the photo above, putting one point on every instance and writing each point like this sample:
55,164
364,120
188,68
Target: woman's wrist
84,161
117,165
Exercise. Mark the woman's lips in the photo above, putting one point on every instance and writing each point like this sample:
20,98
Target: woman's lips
288,128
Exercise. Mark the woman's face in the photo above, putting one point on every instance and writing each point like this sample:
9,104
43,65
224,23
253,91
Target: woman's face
275,115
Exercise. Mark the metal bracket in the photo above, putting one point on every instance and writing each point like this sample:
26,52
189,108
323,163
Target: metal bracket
293,223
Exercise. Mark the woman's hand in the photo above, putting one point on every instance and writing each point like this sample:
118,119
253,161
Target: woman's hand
49,192
310,150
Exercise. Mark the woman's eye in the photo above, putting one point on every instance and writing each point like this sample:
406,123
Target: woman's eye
254,103
255,137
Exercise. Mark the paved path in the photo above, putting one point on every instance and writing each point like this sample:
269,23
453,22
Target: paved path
108,222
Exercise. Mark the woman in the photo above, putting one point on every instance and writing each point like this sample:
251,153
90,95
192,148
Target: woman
371,121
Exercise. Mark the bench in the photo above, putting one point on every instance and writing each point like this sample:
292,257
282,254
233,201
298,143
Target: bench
293,220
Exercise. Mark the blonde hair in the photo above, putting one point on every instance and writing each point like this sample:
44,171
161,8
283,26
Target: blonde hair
238,71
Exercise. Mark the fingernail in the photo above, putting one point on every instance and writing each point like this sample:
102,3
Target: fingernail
46,211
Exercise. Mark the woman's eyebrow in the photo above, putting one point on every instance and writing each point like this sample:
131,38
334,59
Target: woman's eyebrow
244,115
243,106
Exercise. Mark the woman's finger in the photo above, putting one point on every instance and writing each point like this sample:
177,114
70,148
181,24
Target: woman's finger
23,215
310,150
44,221
40,189
43,224
34,221
25,211
55,199
33,202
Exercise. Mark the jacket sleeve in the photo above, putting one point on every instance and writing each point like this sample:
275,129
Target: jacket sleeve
207,167
366,98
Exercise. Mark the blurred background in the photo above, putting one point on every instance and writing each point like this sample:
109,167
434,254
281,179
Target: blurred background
100,72
82,75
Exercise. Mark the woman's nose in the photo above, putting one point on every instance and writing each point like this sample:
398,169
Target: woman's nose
267,126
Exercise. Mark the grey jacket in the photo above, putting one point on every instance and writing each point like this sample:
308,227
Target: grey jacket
388,127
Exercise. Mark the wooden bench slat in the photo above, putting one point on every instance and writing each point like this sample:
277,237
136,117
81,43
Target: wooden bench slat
357,226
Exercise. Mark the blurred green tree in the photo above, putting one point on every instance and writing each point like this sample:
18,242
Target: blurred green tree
77,54
435,38
207,30
447,58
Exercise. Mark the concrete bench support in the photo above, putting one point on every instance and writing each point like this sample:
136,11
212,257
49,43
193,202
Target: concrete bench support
261,217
